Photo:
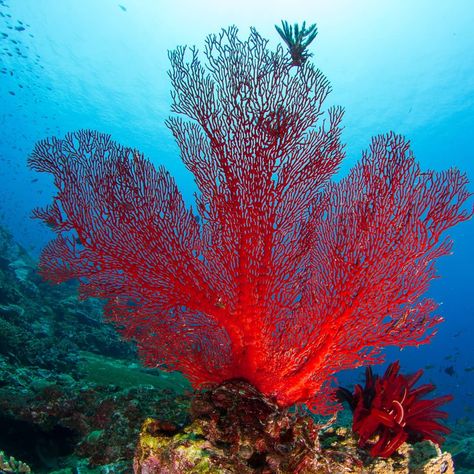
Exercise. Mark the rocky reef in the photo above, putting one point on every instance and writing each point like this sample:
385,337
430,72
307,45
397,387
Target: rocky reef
72,393
234,429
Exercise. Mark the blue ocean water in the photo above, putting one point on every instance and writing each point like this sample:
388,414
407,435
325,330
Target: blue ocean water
401,66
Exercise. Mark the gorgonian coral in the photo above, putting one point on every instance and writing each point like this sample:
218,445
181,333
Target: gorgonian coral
286,278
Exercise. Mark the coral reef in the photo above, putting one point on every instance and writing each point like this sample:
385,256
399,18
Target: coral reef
236,429
85,416
46,326
460,443
280,279
60,404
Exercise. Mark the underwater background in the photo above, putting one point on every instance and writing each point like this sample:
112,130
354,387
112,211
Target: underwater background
406,66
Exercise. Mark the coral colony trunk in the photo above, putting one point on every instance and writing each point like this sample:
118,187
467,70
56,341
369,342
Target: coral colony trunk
280,277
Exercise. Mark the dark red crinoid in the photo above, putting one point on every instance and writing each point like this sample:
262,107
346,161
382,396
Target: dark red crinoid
389,411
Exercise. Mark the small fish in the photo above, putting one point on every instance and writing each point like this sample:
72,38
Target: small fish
34,180
122,8
450,370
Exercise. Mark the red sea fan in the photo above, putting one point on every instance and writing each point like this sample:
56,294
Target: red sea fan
389,411
286,278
